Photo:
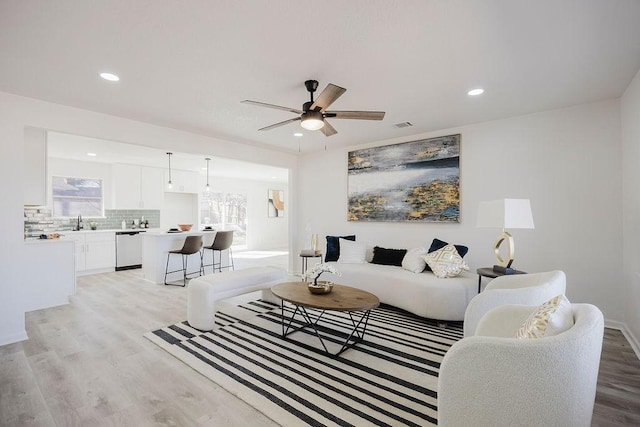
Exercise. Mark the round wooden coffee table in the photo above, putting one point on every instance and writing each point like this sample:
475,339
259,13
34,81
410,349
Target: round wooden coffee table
356,302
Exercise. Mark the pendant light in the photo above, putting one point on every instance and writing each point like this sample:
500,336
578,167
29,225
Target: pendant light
207,159
169,184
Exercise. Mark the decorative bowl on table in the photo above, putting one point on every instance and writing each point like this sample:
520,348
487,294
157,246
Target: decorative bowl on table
185,227
323,287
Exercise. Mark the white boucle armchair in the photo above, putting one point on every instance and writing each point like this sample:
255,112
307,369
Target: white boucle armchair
492,379
525,289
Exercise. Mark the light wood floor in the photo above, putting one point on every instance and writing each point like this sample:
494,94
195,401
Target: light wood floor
87,364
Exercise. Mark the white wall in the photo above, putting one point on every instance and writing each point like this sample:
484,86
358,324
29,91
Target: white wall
179,208
16,112
567,162
630,112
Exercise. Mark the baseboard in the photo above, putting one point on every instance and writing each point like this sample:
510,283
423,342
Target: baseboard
622,327
13,338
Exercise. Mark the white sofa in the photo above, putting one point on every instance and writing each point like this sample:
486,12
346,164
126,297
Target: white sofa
493,379
525,289
420,293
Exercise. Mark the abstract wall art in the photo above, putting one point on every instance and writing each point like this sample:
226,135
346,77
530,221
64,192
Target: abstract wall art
411,181
275,204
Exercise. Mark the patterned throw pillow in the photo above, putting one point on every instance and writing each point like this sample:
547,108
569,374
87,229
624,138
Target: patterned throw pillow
551,318
446,262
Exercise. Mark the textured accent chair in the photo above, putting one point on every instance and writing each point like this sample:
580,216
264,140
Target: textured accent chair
221,242
493,379
525,289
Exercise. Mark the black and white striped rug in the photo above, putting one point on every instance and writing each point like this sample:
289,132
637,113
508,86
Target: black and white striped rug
388,379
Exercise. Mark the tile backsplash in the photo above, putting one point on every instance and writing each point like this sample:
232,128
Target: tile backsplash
39,220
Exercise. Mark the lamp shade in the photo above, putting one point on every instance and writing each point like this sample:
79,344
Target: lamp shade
505,213
312,120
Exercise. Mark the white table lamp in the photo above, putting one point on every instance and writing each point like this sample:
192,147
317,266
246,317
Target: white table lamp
505,213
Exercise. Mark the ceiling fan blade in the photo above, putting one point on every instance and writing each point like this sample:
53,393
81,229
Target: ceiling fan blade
359,115
327,129
277,107
280,124
327,97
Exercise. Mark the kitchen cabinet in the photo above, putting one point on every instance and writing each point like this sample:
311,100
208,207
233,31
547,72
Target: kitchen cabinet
95,252
137,187
183,181
151,188
35,166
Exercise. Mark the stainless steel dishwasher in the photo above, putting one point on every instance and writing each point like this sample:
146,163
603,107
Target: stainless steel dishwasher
128,249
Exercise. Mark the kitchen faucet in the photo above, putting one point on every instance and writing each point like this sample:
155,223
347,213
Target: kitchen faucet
79,226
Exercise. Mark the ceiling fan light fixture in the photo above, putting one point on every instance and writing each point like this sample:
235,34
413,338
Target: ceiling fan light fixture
312,120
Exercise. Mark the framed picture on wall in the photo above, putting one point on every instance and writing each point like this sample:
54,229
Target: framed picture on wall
275,204
413,181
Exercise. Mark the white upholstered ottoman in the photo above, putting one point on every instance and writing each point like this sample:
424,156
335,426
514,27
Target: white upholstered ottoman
204,291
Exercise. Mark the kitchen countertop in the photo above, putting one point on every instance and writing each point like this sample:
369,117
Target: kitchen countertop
159,232
105,230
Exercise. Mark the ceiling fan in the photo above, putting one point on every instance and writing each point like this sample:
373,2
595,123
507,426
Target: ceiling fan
314,113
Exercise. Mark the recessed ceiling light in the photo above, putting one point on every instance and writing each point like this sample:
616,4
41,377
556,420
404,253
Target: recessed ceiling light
109,76
475,92
298,134
91,154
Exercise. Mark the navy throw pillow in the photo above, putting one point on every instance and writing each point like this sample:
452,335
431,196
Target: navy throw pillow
439,244
385,256
333,247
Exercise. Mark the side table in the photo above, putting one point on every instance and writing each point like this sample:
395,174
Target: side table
489,272
305,260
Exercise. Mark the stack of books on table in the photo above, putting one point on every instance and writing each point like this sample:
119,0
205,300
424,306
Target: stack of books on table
310,252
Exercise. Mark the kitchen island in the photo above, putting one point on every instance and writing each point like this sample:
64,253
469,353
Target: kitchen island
49,277
157,244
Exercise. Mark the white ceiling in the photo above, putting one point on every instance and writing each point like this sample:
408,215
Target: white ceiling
66,146
188,65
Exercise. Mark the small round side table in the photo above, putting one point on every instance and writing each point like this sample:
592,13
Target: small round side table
305,260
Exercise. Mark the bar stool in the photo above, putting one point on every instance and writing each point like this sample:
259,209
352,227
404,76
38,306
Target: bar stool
192,245
221,242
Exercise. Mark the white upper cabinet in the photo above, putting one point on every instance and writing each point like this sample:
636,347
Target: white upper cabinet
126,185
182,181
137,187
151,188
35,166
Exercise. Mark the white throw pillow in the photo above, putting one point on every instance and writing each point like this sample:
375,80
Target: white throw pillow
446,262
351,252
414,260
551,318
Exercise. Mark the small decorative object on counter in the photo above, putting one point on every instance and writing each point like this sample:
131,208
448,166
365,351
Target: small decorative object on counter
93,225
146,224
133,224
124,225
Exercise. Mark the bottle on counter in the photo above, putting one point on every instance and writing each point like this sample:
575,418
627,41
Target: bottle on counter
133,224
124,225
146,224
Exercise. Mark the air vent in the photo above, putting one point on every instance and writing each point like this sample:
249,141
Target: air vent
403,125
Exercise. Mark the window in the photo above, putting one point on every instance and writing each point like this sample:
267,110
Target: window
77,196
226,211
